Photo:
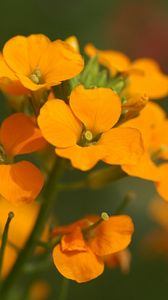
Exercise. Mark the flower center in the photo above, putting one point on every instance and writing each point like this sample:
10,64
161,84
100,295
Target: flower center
36,76
88,138
88,135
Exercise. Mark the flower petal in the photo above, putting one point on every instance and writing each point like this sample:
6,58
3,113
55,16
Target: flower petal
124,145
58,124
112,235
98,109
148,79
16,55
19,135
76,265
60,62
115,61
145,124
145,169
162,184
83,158
73,241
20,182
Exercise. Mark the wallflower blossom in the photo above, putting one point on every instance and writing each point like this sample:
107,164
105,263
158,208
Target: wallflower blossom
121,259
36,62
9,83
155,242
81,131
21,226
80,254
20,181
152,124
143,75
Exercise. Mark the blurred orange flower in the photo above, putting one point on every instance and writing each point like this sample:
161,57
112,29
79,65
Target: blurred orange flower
20,181
20,229
80,254
143,75
152,123
38,63
81,131
121,259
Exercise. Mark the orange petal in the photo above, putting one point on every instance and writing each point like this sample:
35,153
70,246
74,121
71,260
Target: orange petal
112,235
145,169
58,124
149,79
98,109
73,42
82,223
5,71
124,146
37,44
60,62
16,55
73,241
20,182
20,229
83,158
19,135
29,84
115,61
145,124
162,184
76,265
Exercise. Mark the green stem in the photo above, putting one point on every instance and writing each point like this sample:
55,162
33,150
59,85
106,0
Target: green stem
49,196
5,239
128,197
64,289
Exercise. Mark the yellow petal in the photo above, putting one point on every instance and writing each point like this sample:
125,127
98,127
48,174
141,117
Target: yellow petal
98,109
124,146
58,124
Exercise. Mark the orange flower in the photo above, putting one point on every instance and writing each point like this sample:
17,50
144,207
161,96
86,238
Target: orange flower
143,75
40,290
20,228
9,83
115,61
80,254
155,242
152,124
82,130
39,63
73,42
120,259
20,181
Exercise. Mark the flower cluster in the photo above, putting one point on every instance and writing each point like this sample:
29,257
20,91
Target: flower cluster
80,111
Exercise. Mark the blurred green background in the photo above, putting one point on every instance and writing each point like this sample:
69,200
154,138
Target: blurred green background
138,28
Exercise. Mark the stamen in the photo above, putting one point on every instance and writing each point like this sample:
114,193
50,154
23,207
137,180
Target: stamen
36,76
88,232
88,135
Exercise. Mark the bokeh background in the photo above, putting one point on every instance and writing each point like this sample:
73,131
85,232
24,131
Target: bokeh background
138,28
